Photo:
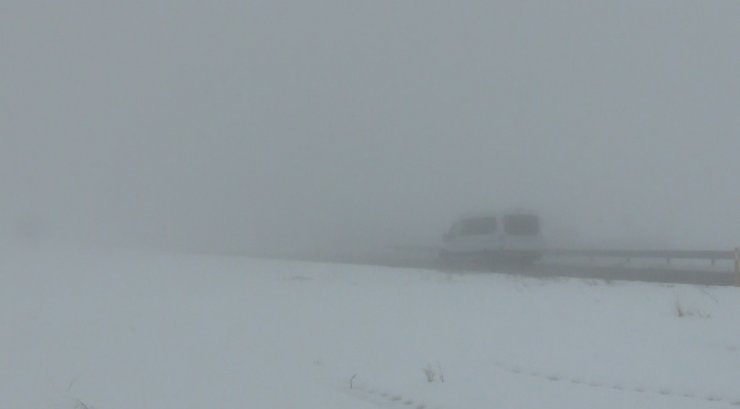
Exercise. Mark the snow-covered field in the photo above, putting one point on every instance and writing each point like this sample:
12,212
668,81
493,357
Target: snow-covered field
135,330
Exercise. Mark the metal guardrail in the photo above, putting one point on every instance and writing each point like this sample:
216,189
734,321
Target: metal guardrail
668,255
711,255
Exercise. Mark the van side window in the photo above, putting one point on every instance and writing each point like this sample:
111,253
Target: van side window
477,226
522,225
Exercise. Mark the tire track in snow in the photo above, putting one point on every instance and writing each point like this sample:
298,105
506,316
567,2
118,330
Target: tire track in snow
533,373
386,398
389,399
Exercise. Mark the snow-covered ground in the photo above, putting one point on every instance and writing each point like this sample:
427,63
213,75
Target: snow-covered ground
134,330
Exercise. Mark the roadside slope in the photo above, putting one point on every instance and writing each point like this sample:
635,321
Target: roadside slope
141,330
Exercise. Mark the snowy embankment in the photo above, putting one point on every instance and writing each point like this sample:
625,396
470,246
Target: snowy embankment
116,331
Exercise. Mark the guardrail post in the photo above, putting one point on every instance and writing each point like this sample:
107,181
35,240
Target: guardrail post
737,266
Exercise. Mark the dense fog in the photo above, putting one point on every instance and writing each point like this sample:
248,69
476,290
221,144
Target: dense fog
292,125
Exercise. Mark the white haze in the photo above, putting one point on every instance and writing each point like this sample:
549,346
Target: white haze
284,125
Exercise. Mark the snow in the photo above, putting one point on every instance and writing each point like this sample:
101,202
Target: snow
112,330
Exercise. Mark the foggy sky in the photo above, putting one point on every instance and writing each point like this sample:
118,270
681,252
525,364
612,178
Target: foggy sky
286,124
